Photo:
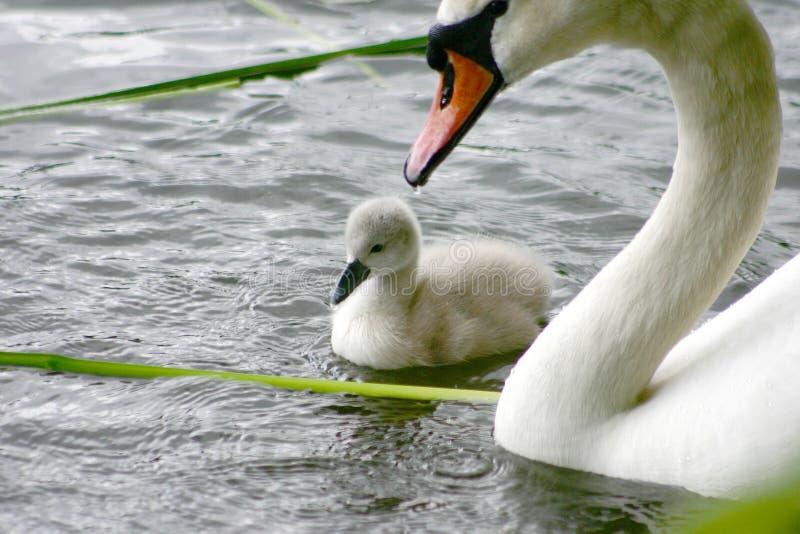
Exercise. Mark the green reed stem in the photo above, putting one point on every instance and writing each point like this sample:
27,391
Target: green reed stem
273,11
56,362
214,80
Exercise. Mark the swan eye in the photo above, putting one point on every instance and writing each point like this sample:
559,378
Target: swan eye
376,248
497,7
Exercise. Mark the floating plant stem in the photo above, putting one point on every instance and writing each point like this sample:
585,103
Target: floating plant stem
215,80
56,362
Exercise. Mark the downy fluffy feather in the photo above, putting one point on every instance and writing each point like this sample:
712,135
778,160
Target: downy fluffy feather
434,305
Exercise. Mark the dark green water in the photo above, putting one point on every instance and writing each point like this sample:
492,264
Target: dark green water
205,231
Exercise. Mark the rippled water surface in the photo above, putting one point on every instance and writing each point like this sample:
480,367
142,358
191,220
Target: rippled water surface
204,231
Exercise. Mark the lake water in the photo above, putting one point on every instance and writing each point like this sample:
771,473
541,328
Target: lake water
206,230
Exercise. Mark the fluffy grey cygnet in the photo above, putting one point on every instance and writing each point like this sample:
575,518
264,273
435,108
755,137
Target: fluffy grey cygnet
398,304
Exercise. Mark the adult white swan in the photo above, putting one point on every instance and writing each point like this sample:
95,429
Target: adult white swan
722,413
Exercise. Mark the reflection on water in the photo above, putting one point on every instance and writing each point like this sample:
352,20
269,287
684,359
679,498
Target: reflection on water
204,231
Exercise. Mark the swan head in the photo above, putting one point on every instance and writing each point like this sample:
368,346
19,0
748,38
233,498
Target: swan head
481,46
382,237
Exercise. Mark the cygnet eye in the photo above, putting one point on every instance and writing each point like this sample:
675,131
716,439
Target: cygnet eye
376,248
497,7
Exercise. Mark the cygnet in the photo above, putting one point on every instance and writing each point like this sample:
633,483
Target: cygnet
398,304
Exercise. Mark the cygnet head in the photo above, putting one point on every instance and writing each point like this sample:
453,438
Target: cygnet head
382,237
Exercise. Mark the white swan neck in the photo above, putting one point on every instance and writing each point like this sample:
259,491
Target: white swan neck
599,354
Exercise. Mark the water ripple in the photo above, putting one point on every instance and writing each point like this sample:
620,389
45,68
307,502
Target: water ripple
206,230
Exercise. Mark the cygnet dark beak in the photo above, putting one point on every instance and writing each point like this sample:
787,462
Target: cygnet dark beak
355,273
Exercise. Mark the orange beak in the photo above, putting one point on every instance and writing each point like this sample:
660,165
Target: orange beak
465,89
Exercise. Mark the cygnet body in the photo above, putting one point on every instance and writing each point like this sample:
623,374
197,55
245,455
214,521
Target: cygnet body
399,305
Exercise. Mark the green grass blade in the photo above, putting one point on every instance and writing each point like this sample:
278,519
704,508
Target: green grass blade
285,68
271,10
56,362
775,511
274,12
